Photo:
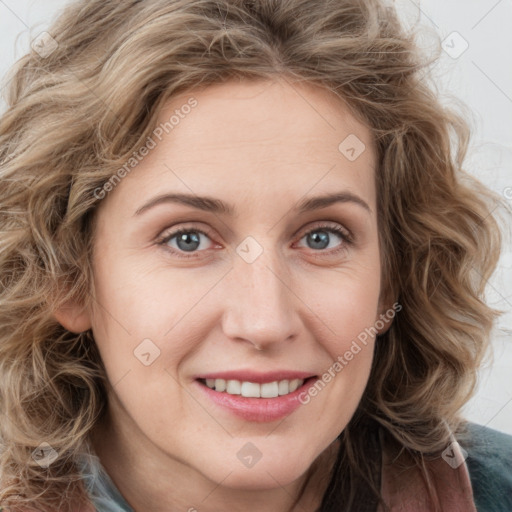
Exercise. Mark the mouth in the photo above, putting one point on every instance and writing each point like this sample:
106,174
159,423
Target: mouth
256,398
254,389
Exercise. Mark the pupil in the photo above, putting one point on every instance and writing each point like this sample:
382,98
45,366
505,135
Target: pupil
187,239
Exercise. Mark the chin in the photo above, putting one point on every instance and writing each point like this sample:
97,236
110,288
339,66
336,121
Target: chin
269,472
265,478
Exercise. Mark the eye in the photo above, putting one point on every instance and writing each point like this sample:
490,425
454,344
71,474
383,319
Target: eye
185,240
192,240
321,237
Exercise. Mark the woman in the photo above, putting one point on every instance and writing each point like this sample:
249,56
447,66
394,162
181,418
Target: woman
241,267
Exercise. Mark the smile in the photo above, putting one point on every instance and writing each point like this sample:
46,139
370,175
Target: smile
253,389
255,397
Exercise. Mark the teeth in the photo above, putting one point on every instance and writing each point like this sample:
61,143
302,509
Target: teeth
254,390
250,390
295,384
270,390
233,387
220,385
283,387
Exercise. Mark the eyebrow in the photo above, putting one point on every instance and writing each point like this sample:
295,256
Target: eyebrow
210,204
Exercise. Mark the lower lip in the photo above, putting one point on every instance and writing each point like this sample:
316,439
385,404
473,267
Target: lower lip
258,409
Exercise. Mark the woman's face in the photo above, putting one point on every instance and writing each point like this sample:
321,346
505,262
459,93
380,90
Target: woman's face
271,280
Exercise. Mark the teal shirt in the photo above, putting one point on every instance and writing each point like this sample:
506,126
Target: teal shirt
489,463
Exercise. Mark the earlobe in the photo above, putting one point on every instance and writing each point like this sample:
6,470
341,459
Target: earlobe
383,323
73,317
386,317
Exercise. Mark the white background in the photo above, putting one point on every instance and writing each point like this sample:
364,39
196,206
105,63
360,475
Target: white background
481,76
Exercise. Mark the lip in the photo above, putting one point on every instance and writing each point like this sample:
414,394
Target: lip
258,410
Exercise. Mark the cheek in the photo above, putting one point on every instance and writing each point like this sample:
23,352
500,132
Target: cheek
147,300
350,315
148,322
346,302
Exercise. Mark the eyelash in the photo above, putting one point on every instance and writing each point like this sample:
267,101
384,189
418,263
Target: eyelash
343,233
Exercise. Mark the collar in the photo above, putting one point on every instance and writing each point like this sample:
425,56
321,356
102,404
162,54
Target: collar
404,490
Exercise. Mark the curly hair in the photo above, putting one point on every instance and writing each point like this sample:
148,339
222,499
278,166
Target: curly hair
76,113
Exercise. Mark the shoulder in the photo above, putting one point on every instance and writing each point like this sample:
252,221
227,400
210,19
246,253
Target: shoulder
489,462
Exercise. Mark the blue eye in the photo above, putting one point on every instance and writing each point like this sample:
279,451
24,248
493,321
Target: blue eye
187,242
320,236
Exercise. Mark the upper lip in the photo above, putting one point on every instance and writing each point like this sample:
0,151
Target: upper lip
255,376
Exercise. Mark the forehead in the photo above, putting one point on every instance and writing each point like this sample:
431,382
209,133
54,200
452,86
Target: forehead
265,138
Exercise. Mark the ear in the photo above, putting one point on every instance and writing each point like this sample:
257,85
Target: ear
74,317
388,309
383,323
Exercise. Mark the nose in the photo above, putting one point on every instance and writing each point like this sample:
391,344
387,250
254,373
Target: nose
261,307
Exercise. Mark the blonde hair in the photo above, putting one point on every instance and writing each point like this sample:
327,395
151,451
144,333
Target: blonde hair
77,114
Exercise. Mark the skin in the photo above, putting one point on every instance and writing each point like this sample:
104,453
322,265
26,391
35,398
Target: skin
261,147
